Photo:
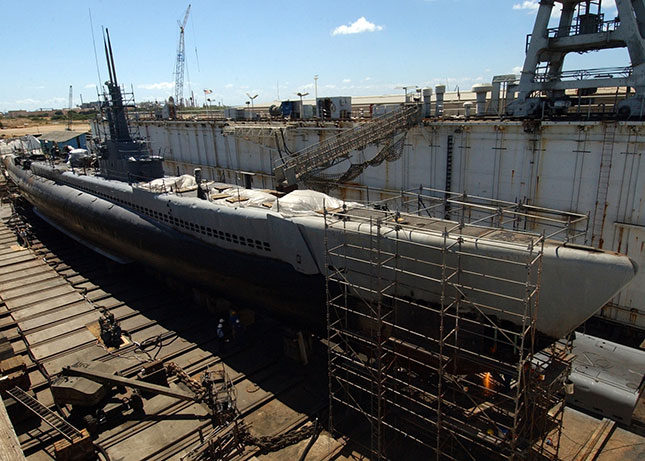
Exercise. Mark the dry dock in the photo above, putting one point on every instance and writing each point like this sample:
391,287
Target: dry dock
52,289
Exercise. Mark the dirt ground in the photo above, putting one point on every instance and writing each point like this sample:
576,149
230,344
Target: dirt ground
15,132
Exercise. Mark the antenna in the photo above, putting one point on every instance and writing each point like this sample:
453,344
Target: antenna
107,57
111,57
96,58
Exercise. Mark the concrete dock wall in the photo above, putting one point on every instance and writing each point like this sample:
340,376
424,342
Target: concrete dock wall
593,168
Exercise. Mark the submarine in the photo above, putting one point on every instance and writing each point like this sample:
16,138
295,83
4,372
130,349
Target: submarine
270,250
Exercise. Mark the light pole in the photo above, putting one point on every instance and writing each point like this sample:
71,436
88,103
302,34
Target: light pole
316,92
302,107
406,88
248,103
252,98
209,106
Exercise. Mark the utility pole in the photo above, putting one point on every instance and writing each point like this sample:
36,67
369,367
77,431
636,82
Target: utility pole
302,107
252,98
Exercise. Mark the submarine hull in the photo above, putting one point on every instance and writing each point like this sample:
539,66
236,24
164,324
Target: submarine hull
247,280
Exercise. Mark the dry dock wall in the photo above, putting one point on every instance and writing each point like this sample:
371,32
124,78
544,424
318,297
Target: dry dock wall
589,167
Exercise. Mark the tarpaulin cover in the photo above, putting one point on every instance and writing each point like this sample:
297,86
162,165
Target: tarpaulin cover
173,183
307,202
240,197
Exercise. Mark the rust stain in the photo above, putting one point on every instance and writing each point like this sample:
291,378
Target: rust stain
642,243
620,238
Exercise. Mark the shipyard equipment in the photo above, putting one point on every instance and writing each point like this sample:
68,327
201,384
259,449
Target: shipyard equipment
582,28
181,60
308,161
335,108
110,329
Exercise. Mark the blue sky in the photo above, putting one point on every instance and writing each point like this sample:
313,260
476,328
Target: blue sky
254,46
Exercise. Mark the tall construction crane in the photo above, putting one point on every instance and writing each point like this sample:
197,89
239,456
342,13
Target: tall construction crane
181,59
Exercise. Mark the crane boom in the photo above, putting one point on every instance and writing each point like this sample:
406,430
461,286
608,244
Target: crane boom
181,57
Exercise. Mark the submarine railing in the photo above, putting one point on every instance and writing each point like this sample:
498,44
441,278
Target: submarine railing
519,217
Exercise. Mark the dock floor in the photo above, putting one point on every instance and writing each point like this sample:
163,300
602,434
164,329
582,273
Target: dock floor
52,289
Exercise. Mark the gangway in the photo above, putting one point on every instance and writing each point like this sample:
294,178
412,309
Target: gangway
326,153
51,418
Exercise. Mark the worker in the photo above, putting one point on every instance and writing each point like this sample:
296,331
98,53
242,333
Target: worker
233,318
238,331
221,337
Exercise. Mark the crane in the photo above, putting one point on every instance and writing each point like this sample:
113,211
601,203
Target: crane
181,58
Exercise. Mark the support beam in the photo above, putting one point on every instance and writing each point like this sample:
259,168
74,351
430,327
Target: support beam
107,378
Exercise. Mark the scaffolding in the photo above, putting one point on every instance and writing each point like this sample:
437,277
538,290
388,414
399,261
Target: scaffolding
462,378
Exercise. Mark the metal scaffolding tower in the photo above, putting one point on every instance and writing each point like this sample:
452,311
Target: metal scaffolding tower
451,380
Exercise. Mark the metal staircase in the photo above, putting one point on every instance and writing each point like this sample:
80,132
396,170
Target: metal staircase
325,153
53,419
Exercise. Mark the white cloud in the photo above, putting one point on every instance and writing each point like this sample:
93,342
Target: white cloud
609,5
228,85
367,79
517,69
347,80
27,101
357,27
90,85
531,5
157,86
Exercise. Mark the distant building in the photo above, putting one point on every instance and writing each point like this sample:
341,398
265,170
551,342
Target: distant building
30,113
91,105
76,139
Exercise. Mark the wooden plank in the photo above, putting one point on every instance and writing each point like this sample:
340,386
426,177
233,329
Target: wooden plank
9,446
35,288
25,270
27,280
591,448
20,312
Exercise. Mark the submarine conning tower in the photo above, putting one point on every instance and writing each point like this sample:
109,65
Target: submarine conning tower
120,156
582,28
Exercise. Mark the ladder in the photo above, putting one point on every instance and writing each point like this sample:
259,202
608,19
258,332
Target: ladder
324,154
53,419
603,184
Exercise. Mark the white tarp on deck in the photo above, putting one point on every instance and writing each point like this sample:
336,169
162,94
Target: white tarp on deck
172,184
301,202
